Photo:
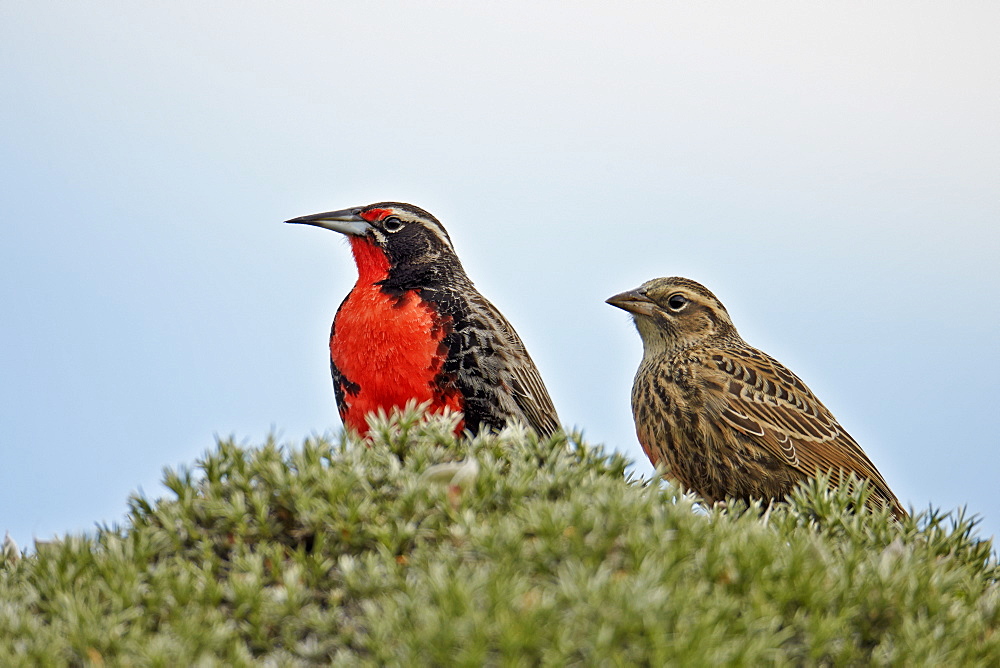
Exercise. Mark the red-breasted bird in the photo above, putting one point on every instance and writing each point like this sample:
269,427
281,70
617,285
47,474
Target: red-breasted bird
415,327
725,419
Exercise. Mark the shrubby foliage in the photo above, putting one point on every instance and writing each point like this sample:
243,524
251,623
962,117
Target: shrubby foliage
537,553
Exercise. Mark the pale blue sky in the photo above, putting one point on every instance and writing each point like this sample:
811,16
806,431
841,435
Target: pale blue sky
831,172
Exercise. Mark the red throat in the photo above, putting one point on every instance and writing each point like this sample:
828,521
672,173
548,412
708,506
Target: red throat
372,263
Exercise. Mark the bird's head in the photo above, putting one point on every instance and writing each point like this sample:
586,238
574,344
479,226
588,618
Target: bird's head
388,236
672,313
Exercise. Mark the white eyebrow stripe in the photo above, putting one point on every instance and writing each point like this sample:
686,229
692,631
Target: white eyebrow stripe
437,230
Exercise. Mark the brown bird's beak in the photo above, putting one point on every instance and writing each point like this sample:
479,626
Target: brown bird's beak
633,301
345,221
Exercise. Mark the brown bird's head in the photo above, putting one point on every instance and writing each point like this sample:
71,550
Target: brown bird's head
673,313
391,239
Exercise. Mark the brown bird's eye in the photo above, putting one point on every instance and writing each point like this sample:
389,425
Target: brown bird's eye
677,302
392,224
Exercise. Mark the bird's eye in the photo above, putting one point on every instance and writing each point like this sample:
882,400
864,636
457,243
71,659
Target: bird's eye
677,302
392,224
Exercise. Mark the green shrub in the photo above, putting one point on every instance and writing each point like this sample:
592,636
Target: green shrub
542,552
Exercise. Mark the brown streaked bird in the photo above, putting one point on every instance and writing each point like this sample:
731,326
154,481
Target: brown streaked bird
725,419
414,327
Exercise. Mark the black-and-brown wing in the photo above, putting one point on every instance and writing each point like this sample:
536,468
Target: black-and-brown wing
765,401
522,378
497,378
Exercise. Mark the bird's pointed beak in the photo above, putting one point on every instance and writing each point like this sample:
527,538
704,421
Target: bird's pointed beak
633,301
345,221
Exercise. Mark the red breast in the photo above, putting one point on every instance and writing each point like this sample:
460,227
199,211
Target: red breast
390,347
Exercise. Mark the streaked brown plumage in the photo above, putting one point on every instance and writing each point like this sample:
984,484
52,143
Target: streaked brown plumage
725,419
